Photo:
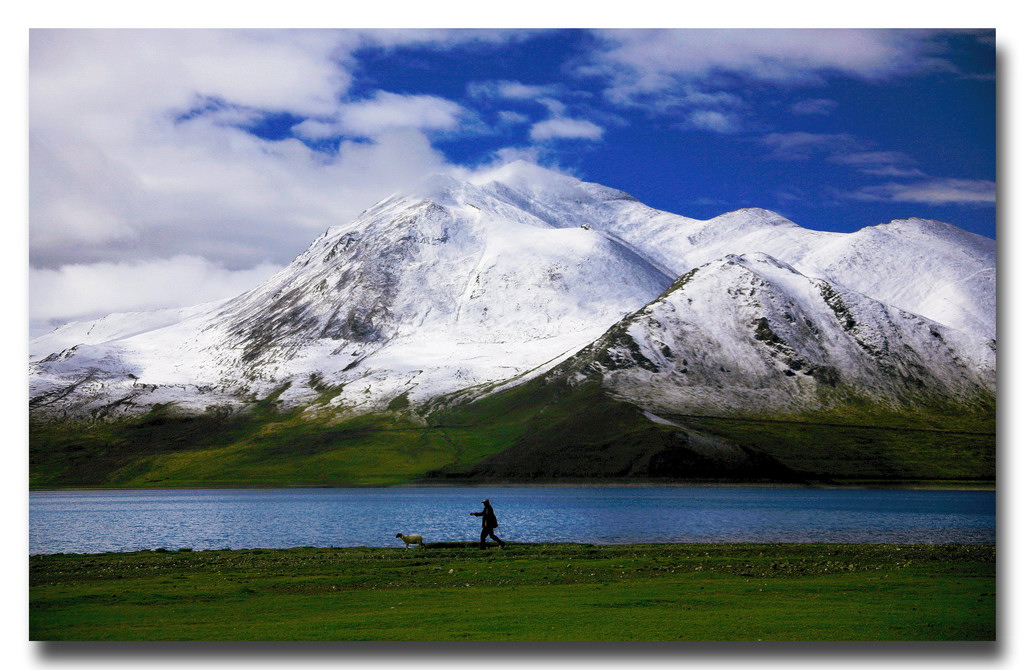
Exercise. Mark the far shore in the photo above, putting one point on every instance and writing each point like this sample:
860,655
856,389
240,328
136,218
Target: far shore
859,485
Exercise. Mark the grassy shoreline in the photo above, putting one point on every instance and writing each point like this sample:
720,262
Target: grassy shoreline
453,591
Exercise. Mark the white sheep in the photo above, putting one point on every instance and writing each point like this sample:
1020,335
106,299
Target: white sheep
412,539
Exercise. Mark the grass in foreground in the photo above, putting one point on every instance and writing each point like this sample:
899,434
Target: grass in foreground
526,592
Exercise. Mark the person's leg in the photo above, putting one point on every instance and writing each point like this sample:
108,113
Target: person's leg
496,538
483,538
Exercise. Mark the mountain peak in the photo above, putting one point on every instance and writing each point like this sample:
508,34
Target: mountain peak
931,231
757,215
522,176
546,184
442,188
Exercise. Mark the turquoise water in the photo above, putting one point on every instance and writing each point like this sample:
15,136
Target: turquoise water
98,521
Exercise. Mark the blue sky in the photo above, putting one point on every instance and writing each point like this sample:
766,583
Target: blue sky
174,166
833,150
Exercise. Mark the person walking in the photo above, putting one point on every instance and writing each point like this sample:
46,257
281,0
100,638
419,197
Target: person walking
489,523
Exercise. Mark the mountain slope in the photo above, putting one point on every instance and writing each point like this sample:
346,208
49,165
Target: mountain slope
420,295
744,369
749,334
454,297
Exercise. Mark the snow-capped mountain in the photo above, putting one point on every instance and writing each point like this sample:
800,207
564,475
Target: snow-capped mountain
750,334
465,287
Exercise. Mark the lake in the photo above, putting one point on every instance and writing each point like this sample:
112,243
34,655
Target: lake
99,521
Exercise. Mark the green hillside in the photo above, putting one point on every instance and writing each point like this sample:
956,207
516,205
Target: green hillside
541,431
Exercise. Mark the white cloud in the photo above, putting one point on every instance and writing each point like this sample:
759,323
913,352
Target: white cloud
386,111
220,192
644,61
933,192
512,154
503,157
82,291
113,159
562,128
554,107
871,158
510,90
802,145
116,75
108,160
813,106
512,118
312,129
707,119
77,193
691,97
446,38
879,163
135,153
893,171
843,149
383,112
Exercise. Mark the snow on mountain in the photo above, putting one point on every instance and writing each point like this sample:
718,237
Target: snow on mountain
459,285
112,327
926,267
426,293
922,266
750,334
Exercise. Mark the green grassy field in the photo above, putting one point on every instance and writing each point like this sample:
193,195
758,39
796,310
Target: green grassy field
525,592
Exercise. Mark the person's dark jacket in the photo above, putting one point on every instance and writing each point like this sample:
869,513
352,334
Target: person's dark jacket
489,520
